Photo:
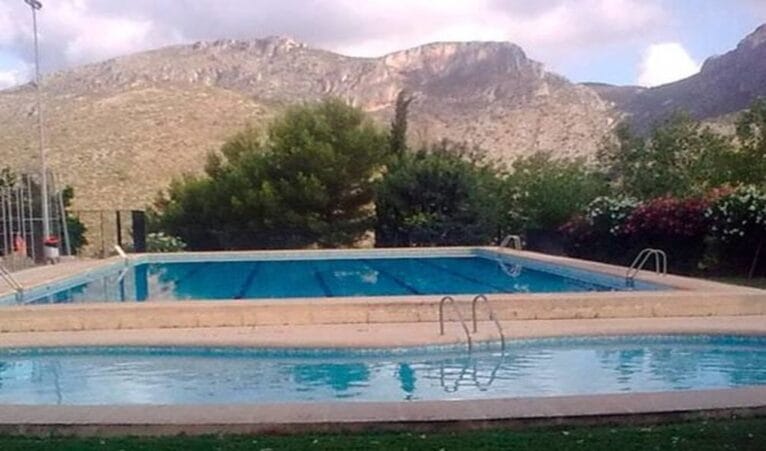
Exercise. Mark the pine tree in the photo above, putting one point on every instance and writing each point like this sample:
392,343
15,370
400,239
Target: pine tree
398,138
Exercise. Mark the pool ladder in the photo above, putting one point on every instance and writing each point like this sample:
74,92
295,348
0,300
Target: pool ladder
643,257
474,320
13,283
514,241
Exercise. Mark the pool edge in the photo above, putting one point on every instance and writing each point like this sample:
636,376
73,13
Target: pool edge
635,408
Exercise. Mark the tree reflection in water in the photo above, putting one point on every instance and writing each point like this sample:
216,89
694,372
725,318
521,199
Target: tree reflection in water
338,376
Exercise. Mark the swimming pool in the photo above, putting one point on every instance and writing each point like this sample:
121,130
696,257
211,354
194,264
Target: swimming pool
541,367
327,275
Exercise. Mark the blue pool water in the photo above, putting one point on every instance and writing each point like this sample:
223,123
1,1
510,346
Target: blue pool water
546,367
261,279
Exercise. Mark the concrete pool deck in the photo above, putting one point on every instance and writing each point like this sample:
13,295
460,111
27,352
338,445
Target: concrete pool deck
384,334
638,408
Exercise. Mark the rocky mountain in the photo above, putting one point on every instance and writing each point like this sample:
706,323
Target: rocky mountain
119,130
726,84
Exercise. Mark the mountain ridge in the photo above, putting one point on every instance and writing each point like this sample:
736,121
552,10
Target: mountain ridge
725,84
120,129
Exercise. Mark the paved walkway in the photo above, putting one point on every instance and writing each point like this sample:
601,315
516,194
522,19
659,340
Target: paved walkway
384,334
50,273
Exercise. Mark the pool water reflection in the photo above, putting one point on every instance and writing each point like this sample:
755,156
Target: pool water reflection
230,376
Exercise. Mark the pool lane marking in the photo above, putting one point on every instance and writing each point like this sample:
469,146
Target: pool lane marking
398,281
425,261
248,282
320,280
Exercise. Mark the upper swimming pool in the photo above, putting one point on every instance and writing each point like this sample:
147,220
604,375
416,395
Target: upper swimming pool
543,367
327,275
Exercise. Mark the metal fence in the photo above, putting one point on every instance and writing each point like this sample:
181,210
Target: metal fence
107,228
21,224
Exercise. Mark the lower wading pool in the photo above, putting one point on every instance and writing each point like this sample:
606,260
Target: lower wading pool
535,367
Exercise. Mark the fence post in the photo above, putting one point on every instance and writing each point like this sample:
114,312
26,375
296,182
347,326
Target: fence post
139,231
119,228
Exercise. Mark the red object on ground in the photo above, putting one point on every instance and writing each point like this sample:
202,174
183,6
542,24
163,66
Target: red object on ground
20,245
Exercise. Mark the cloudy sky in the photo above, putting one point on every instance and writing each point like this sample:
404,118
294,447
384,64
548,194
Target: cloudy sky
645,42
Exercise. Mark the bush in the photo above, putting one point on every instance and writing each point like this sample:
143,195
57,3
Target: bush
607,215
678,226
544,193
599,232
160,243
738,222
680,157
437,196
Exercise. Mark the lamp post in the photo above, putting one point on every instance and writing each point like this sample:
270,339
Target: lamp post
35,5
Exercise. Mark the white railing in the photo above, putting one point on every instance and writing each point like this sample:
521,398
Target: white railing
474,319
459,316
12,282
121,252
659,257
492,318
514,240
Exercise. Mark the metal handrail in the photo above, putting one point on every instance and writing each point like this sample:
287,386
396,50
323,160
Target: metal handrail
515,239
17,287
474,376
492,317
514,271
459,315
122,274
122,254
660,263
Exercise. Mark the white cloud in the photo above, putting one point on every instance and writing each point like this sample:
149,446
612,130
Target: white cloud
548,27
80,31
665,63
75,32
9,78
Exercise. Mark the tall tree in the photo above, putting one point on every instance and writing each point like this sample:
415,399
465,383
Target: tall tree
437,196
680,158
543,192
307,181
751,134
398,137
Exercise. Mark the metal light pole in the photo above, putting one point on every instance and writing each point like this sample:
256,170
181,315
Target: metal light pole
35,5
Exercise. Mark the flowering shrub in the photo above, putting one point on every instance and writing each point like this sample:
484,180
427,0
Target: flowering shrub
159,242
598,234
608,214
739,215
678,226
667,219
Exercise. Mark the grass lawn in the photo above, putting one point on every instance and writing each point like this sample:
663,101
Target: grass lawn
743,434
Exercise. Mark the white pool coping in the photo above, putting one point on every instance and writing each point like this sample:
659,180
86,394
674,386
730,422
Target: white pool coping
339,417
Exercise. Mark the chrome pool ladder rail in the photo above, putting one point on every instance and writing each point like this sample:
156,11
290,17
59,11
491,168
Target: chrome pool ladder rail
492,317
459,316
515,240
514,271
660,263
13,283
123,255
